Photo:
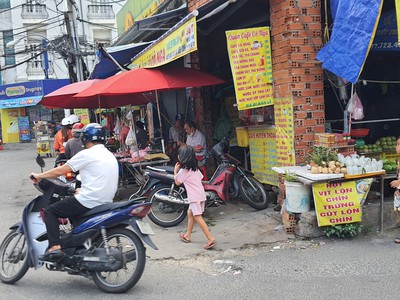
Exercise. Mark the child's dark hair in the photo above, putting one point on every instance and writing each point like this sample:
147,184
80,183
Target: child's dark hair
187,158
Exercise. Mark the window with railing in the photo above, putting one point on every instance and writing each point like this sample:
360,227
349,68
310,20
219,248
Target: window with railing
34,11
35,65
100,12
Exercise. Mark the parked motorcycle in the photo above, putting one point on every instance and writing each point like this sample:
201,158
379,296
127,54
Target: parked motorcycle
100,245
170,202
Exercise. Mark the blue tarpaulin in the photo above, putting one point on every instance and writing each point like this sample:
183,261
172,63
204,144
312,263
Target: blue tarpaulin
353,28
122,54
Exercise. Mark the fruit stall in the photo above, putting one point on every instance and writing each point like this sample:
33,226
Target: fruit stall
336,180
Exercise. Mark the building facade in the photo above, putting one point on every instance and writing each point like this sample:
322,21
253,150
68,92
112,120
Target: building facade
37,37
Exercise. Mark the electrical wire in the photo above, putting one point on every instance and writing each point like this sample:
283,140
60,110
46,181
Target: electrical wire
20,63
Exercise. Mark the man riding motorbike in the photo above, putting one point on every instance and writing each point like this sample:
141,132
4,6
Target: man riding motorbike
99,175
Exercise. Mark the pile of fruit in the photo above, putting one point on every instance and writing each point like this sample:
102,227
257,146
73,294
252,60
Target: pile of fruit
387,144
366,149
325,161
390,165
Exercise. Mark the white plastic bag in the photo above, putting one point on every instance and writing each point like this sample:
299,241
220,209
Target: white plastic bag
117,127
355,107
131,137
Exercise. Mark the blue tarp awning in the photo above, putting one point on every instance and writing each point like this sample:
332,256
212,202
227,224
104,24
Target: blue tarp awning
28,93
122,54
353,28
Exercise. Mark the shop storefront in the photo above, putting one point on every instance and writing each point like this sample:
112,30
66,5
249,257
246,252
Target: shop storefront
274,99
19,106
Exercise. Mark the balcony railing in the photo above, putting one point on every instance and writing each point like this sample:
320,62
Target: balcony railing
34,11
35,68
100,12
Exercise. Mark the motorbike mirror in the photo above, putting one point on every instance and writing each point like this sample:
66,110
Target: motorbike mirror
40,161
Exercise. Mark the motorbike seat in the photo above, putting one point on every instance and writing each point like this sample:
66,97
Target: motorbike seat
112,206
168,169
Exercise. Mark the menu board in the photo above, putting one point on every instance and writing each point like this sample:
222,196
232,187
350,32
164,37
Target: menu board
249,53
263,155
283,111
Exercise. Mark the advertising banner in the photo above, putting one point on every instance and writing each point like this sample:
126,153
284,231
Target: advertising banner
263,154
9,124
249,53
24,130
339,202
179,42
283,110
83,113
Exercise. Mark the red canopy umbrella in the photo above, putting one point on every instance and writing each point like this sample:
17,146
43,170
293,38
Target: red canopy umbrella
147,80
62,97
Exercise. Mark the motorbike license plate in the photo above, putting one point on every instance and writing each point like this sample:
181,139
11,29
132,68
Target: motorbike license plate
144,227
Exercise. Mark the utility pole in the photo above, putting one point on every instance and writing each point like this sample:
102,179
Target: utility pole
72,30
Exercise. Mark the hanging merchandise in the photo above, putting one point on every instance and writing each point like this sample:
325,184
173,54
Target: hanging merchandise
131,137
355,107
117,127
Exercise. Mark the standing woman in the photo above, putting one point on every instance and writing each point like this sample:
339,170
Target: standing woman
61,138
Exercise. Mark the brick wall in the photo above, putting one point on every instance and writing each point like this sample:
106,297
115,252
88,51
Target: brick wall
296,37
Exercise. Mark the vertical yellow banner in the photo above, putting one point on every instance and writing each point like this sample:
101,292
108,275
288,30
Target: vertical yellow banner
284,122
249,53
397,3
263,154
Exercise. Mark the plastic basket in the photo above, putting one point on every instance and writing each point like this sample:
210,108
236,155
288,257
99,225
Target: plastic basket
242,135
390,156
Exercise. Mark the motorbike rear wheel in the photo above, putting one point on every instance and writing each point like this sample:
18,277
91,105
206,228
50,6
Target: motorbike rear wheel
166,214
256,198
134,253
13,257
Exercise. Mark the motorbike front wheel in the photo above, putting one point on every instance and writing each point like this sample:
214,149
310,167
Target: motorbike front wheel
134,254
13,257
255,197
166,214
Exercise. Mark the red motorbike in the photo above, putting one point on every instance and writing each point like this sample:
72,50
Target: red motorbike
170,202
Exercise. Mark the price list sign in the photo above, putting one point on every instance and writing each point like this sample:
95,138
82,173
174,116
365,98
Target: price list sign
283,110
263,154
249,53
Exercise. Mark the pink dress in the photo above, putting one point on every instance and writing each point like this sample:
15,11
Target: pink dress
194,189
192,181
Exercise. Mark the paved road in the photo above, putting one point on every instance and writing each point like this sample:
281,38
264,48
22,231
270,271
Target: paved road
254,258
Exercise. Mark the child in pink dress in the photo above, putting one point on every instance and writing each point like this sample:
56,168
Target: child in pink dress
187,172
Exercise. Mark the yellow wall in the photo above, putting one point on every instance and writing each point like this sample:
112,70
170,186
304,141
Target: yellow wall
9,124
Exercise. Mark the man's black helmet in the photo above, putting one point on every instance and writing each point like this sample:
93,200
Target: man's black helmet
93,132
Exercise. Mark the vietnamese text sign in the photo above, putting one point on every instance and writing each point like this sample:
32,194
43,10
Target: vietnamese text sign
178,43
263,154
250,58
83,113
283,110
336,203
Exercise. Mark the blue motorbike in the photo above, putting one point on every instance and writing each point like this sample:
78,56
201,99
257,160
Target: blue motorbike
105,244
